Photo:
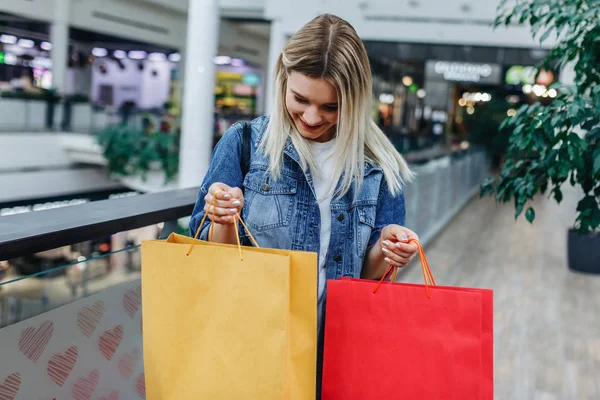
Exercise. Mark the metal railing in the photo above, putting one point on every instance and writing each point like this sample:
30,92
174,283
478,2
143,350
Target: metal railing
442,187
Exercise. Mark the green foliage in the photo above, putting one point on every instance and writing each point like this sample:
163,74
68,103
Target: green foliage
134,152
544,148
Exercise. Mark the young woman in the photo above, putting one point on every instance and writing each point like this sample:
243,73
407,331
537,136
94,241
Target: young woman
323,177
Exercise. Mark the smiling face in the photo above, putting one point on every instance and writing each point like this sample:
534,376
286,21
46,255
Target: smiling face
313,105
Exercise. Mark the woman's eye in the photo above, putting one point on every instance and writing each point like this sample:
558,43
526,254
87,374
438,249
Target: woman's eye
299,100
330,108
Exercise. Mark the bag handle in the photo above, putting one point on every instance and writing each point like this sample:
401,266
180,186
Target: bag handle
390,273
236,217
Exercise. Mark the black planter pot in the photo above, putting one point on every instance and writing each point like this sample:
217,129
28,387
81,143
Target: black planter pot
584,252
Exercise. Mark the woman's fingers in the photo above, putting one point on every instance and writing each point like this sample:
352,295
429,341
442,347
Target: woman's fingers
222,203
394,259
220,211
232,203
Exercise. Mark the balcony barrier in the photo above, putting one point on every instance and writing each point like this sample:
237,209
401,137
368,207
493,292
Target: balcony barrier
75,330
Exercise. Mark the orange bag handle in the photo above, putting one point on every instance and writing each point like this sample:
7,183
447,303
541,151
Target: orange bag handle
390,273
236,217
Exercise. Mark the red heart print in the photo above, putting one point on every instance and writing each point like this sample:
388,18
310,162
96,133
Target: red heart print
110,341
128,363
132,299
33,342
60,366
84,387
114,395
10,387
89,317
140,386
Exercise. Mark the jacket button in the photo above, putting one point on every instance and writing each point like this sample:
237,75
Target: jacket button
266,187
341,217
337,258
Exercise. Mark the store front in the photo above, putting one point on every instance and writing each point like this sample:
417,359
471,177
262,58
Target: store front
458,89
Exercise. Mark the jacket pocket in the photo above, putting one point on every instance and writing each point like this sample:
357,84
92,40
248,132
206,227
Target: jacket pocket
365,225
269,203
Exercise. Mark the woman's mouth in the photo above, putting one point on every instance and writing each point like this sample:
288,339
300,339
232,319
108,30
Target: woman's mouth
310,128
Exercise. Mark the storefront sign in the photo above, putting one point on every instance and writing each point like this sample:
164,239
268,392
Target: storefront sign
251,79
463,72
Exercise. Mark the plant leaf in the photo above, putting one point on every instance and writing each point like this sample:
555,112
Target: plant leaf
546,34
558,196
519,204
597,161
530,215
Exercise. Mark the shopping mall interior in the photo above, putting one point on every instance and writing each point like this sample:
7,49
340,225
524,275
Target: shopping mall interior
110,110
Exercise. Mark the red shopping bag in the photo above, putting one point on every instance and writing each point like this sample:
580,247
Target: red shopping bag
406,341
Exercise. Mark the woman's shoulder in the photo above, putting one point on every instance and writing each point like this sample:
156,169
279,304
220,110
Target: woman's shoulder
258,126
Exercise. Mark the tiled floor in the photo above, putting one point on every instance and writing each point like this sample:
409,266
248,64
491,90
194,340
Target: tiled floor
547,318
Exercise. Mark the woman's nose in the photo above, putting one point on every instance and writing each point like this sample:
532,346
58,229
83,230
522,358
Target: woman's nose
311,116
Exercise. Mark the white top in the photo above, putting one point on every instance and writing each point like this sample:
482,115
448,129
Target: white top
323,181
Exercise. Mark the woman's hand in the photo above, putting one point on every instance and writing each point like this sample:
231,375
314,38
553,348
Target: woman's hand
394,245
229,202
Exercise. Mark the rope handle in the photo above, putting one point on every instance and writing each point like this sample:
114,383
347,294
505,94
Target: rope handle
237,217
391,272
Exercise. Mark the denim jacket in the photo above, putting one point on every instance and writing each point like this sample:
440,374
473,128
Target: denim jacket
284,214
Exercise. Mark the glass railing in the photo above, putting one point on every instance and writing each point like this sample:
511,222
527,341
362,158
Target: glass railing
33,285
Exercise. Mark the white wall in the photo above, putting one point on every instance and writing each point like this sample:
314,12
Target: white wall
30,150
433,21
142,87
18,186
155,89
22,153
134,19
131,19
38,9
79,80
127,83
236,42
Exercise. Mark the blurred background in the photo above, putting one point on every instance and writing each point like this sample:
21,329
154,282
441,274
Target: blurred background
109,111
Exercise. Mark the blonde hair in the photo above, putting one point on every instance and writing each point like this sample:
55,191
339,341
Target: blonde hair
328,47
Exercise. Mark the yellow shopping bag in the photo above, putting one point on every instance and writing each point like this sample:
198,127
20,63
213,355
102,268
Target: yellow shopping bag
228,323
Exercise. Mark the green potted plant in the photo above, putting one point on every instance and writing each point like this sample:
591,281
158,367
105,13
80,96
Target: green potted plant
556,143
131,152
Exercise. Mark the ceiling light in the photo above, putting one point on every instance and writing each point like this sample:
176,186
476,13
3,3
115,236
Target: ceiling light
157,57
99,52
222,60
175,57
8,39
137,54
120,54
46,46
26,43
407,81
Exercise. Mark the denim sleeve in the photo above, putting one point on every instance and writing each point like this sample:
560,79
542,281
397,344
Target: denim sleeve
390,210
224,168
